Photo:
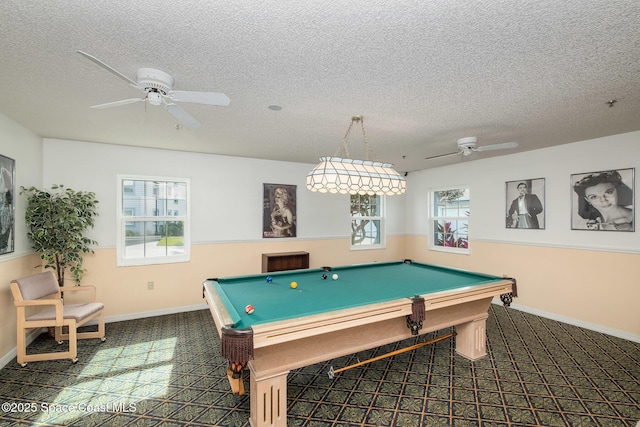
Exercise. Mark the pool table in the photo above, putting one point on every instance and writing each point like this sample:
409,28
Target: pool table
367,306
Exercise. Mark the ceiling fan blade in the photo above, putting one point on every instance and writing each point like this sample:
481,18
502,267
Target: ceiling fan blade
183,117
119,103
443,155
497,146
208,98
108,68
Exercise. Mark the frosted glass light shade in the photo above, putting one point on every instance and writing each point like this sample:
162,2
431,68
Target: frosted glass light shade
349,176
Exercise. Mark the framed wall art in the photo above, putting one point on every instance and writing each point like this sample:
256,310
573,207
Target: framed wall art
279,211
7,204
603,201
525,204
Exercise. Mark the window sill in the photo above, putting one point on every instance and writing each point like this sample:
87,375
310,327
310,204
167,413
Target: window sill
151,261
368,247
460,251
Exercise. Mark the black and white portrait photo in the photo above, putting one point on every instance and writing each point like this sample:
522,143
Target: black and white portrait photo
7,204
603,201
525,203
279,211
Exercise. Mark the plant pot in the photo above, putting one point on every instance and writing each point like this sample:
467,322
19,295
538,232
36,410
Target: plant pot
52,331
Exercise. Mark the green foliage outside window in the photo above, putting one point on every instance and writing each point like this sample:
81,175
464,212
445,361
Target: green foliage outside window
450,220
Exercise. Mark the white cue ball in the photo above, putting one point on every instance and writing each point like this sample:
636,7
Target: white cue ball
334,277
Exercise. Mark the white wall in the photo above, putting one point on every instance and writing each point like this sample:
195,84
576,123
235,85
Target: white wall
487,178
226,192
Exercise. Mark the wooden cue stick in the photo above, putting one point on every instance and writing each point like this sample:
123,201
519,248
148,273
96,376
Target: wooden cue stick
395,352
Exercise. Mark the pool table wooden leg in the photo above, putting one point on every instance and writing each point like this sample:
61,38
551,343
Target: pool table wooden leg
268,399
471,338
237,384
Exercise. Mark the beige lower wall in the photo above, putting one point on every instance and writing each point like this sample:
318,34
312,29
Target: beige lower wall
594,288
9,270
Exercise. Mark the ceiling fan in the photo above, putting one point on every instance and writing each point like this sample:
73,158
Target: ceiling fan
467,146
157,87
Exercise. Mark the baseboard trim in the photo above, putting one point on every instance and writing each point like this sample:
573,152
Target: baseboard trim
592,327
4,361
154,313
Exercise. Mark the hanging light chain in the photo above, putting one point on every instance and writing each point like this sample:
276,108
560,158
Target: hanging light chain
345,141
368,152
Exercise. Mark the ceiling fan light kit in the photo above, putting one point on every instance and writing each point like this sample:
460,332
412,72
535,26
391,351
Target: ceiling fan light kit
154,98
466,145
349,176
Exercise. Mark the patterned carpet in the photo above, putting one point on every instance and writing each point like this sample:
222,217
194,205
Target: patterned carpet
165,371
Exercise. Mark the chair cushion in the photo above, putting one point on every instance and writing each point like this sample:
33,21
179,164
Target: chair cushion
78,312
38,285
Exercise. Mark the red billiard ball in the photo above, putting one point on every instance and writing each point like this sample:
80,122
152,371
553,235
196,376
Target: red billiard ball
248,309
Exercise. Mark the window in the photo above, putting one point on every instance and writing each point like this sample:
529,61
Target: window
449,222
367,222
153,220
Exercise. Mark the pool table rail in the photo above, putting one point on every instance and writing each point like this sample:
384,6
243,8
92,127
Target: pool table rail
217,307
318,324
471,293
282,331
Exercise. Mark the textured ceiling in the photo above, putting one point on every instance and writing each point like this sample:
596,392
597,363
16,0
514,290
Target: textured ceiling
422,73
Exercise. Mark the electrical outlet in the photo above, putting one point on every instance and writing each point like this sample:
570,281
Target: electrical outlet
150,286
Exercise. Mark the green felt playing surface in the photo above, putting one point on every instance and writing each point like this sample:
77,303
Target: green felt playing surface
357,285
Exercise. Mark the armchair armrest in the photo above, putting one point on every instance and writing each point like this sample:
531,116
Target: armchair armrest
35,302
56,303
86,288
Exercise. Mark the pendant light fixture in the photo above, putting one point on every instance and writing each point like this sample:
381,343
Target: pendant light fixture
350,176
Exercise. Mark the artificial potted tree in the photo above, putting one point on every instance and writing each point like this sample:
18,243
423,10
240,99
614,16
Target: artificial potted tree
56,222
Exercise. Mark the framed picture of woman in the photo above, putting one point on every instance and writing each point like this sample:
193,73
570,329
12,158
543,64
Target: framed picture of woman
7,204
279,211
603,201
525,204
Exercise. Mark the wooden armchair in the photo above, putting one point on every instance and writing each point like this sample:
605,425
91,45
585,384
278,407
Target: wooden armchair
42,291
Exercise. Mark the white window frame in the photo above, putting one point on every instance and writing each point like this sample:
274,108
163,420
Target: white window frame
382,230
122,219
433,217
